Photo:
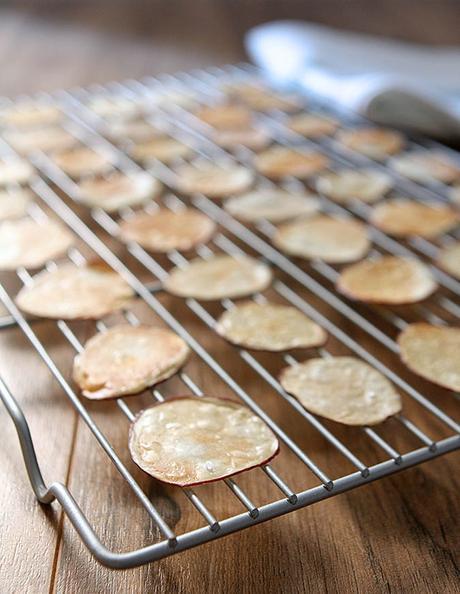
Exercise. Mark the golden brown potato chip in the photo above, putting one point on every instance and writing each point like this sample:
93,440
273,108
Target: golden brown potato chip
163,148
327,238
219,277
433,352
71,292
133,130
449,259
226,116
166,230
273,205
426,167
214,181
403,217
279,161
82,161
113,107
188,441
29,115
126,360
15,171
312,126
269,327
118,190
388,279
261,99
14,204
47,139
31,244
377,143
343,389
253,138
367,185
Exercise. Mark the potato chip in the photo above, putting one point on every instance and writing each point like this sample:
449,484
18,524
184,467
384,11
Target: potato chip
343,389
187,441
272,205
280,161
118,190
432,352
312,126
14,204
226,116
345,185
388,279
426,167
126,359
46,139
15,171
252,138
402,217
219,277
31,244
323,237
82,161
71,292
377,143
133,130
113,107
214,181
166,230
449,259
261,99
269,327
163,148
28,115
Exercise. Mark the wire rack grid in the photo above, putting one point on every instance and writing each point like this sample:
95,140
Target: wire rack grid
295,284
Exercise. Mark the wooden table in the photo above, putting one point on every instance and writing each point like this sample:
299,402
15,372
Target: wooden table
396,535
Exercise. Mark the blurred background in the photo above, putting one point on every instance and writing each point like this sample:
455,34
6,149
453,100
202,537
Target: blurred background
49,44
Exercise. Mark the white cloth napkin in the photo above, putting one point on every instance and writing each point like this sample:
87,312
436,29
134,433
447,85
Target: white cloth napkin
391,82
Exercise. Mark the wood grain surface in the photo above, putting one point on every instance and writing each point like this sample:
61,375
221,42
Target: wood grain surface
397,535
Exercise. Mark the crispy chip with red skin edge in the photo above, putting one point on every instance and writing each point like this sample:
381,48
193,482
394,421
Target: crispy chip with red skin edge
275,206
214,181
331,239
125,360
82,161
345,185
280,161
376,143
312,126
188,441
343,389
269,327
433,352
219,277
402,217
165,230
31,244
71,292
389,279
118,190
426,167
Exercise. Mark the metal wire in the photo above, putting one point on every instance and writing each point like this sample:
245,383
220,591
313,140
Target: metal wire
89,129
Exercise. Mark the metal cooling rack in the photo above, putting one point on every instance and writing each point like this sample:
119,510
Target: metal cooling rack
309,284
